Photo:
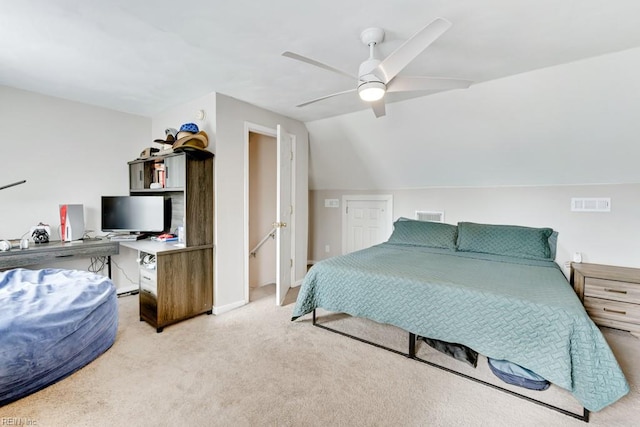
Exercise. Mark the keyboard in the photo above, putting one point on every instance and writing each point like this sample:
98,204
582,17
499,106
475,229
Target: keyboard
127,237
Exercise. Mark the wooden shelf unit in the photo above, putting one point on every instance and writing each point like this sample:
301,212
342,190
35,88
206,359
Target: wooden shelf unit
189,184
180,285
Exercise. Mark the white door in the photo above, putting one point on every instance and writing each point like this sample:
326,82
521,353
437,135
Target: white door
283,219
368,223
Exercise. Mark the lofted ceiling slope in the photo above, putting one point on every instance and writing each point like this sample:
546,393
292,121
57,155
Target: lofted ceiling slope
142,56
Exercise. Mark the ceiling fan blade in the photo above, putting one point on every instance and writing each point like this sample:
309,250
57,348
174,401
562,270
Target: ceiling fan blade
317,64
378,108
408,84
326,96
407,52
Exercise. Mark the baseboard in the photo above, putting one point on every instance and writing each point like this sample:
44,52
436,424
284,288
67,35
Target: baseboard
271,282
228,307
297,283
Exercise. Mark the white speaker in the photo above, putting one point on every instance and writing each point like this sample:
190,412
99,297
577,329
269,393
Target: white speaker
71,222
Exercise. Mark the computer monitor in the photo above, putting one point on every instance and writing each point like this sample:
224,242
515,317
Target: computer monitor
137,214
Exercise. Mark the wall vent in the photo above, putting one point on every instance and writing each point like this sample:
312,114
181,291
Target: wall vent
433,216
591,204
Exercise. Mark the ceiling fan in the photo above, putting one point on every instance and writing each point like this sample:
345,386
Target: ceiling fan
377,77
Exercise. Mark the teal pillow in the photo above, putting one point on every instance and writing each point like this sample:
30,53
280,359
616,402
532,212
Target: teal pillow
510,240
423,233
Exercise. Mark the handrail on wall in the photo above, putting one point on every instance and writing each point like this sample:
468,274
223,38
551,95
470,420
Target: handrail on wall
271,234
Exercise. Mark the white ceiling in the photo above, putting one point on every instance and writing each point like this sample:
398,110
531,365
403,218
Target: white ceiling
143,56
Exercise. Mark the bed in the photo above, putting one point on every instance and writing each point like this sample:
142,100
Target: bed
52,323
493,288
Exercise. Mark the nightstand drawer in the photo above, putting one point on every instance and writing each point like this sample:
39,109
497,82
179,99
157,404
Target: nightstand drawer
612,310
612,290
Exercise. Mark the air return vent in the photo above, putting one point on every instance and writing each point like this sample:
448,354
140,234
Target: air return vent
591,204
433,216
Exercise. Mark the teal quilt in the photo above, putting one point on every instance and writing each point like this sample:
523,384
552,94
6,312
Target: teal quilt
520,310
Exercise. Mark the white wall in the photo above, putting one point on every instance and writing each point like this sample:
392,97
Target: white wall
602,238
511,151
570,124
69,153
232,117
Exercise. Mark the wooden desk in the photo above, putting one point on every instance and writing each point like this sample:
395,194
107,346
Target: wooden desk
177,285
43,252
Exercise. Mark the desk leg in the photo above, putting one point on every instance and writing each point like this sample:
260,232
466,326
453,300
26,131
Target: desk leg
109,265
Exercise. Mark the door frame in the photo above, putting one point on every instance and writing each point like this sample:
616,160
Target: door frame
360,197
272,132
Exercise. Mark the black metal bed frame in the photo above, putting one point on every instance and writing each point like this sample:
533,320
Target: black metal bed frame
412,355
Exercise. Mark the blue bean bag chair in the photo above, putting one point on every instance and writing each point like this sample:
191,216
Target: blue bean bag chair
52,323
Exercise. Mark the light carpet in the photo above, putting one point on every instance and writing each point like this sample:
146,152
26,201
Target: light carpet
254,367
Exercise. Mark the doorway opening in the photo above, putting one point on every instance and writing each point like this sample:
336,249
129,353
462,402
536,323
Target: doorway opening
262,209
269,232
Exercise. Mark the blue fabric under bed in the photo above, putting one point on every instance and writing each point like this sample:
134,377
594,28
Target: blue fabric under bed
52,323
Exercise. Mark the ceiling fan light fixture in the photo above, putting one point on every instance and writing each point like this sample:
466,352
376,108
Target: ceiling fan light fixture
372,91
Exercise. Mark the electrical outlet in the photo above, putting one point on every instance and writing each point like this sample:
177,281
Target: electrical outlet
327,248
